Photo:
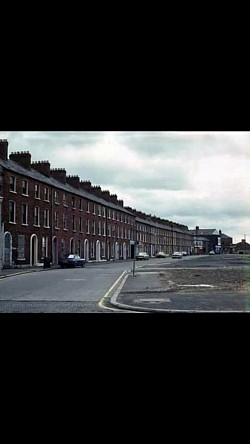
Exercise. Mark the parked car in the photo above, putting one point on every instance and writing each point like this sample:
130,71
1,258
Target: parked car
184,253
211,252
71,260
142,256
161,254
177,255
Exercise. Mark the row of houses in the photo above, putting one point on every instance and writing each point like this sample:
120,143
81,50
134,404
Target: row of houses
206,240
46,213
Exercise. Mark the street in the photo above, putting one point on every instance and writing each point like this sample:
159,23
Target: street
190,283
60,290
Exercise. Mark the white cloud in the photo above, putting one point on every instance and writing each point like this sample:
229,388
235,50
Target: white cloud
194,178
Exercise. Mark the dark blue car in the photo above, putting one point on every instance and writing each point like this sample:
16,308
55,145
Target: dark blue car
71,260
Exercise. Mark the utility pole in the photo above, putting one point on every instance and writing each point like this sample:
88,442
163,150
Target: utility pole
1,235
135,253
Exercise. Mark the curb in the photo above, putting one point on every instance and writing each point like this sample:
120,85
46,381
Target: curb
24,272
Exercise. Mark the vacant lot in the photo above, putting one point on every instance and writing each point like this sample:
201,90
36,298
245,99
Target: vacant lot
207,279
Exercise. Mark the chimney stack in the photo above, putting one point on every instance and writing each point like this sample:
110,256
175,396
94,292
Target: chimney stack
58,174
96,190
42,166
73,181
106,195
86,185
4,149
23,158
113,198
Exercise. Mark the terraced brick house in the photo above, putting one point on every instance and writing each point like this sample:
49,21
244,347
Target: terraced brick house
46,213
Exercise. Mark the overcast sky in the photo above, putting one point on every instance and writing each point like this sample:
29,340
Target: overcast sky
193,178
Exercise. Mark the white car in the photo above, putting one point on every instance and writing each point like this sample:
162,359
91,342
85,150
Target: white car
184,253
161,254
142,256
177,255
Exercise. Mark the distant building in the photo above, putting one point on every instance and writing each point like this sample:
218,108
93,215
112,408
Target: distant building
207,239
242,247
227,243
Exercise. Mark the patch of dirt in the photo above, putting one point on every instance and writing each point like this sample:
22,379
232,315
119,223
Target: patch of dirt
236,279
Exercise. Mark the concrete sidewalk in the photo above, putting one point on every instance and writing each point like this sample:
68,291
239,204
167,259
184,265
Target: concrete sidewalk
14,271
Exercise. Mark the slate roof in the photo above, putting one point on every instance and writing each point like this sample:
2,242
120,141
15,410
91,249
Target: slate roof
205,231
34,174
225,235
242,246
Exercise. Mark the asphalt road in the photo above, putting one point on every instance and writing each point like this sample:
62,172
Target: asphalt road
59,290
192,284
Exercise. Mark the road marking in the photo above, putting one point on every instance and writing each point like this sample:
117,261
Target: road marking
100,303
195,285
153,300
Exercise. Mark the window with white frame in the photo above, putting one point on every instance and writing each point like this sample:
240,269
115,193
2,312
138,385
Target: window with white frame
104,228
24,214
80,224
46,194
65,221
56,219
37,216
56,197
37,191
46,218
87,226
109,230
73,222
25,187
64,200
12,212
13,184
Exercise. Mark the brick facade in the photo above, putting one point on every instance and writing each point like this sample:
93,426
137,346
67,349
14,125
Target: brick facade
47,213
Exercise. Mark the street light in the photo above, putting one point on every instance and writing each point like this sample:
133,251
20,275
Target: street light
1,235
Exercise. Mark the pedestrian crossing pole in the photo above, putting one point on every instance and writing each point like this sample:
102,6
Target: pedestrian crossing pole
1,235
135,252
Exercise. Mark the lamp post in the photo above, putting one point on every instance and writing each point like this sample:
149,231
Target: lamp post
1,235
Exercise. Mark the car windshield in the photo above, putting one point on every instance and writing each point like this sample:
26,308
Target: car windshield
71,256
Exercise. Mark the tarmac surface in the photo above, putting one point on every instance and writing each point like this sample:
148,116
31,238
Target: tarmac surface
144,290
149,290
